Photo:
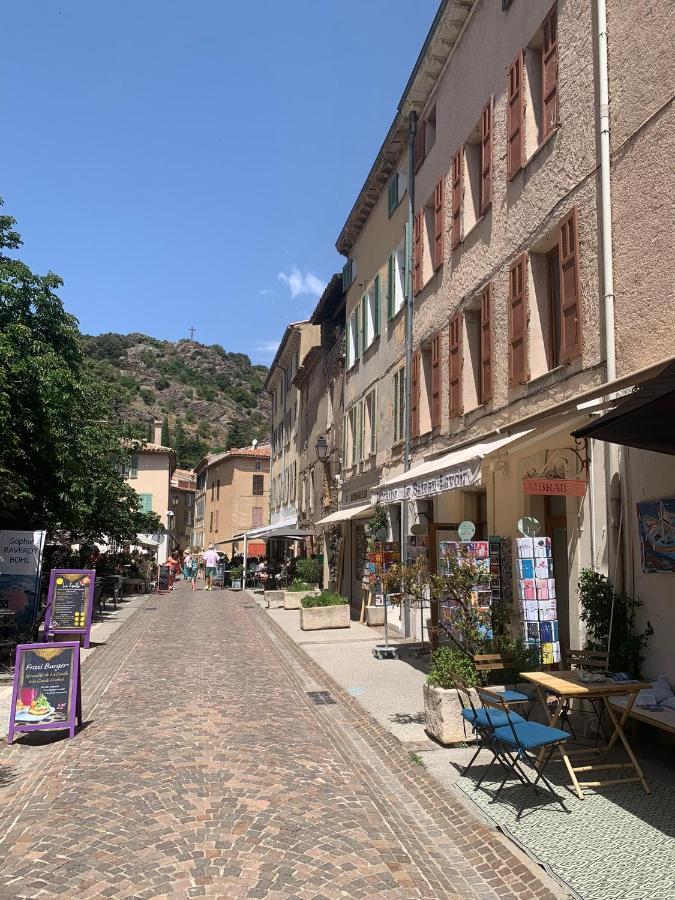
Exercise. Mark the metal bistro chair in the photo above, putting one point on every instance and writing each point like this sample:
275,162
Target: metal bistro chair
493,662
521,743
483,722
590,661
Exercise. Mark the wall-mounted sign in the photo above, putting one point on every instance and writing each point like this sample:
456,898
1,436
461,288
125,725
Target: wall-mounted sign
20,564
46,688
462,476
555,487
466,530
70,602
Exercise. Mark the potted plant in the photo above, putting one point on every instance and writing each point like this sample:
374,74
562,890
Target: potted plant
296,591
442,703
235,577
308,570
324,610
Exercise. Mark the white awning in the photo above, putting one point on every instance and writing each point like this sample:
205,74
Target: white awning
351,512
457,469
286,528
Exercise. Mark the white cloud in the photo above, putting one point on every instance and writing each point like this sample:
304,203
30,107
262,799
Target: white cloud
265,292
302,284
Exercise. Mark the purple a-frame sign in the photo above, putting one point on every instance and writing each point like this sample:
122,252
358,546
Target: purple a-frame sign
70,603
46,688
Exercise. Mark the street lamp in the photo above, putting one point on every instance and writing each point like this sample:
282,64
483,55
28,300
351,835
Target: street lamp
321,448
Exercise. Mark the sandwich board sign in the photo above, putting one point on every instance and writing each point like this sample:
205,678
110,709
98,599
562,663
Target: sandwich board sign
20,564
46,688
70,602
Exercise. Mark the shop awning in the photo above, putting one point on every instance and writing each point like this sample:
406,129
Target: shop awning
286,528
350,512
644,419
457,469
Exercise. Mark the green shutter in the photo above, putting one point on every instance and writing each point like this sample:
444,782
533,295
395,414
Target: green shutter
364,322
348,346
406,268
357,335
145,502
376,312
392,194
391,274
133,466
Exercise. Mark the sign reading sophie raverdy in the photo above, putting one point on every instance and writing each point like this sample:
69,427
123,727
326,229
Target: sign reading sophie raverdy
46,688
460,476
20,563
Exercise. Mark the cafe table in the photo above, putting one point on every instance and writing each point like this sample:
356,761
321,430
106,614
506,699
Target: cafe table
567,686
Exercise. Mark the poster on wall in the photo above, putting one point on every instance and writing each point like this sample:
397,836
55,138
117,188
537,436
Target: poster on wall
20,565
656,524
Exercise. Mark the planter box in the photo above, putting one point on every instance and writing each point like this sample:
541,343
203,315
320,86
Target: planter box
236,584
325,617
374,615
443,713
274,599
292,598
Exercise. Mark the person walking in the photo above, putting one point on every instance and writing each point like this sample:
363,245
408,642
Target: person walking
191,568
211,566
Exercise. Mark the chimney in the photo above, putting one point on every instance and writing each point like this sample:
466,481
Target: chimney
158,431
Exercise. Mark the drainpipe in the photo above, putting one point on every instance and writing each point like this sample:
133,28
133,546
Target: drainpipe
611,451
410,299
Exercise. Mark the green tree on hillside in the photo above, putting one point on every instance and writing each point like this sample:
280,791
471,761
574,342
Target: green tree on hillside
61,454
166,436
238,435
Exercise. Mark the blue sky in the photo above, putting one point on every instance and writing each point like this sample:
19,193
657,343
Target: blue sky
193,163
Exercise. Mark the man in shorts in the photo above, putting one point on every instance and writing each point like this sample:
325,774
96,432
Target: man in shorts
210,557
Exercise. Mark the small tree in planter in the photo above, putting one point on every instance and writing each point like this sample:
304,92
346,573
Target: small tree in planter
236,573
308,570
324,610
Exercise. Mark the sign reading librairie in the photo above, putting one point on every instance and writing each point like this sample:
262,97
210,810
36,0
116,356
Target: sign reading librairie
69,602
46,688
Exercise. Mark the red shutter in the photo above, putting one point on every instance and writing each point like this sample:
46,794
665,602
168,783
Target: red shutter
457,191
549,72
419,145
436,380
438,225
516,115
455,364
486,158
569,287
415,396
486,345
518,320
417,252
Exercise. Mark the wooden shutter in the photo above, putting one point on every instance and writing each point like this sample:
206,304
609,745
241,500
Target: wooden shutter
486,158
419,144
391,286
436,380
376,310
417,253
457,191
518,321
569,287
396,434
549,72
486,344
438,225
415,395
455,365
515,115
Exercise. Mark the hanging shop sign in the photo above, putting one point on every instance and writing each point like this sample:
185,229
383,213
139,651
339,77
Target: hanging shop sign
46,688
20,564
462,476
555,487
69,603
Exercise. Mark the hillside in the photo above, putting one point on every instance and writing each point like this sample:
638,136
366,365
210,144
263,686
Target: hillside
210,398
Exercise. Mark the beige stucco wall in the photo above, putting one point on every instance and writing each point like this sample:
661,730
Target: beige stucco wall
154,477
235,500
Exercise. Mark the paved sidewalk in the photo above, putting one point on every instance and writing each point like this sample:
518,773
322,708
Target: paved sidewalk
206,768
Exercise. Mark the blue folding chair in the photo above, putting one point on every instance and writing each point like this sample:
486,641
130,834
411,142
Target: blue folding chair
518,743
483,721
493,662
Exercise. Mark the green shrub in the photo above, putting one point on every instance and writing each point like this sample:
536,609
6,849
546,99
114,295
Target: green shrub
298,586
325,598
446,664
308,570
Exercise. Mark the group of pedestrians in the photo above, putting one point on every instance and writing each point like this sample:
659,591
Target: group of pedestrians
193,563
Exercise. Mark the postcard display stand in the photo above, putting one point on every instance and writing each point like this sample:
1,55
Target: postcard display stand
378,560
533,566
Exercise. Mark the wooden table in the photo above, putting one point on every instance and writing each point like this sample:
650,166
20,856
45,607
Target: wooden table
567,686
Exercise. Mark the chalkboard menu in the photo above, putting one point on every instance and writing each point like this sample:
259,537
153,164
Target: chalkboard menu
69,602
45,692
163,578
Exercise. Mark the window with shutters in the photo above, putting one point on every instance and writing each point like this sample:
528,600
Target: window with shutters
418,251
132,471
415,393
218,489
348,274
370,313
145,503
518,321
256,516
425,387
486,344
429,240
216,520
258,485
436,380
439,224
396,280
354,330
457,197
455,361
477,340
555,329
476,181
399,405
369,424
515,116
396,189
541,84
425,137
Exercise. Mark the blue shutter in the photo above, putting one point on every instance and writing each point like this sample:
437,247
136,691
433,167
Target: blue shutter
145,502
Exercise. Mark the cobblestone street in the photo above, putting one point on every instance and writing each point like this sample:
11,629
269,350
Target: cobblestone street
207,768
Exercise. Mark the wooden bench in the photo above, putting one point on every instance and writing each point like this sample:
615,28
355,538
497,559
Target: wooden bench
663,718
